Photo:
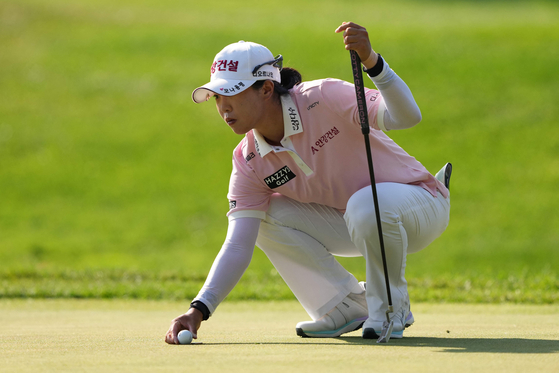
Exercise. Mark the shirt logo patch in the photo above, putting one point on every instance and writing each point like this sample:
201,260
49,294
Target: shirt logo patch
280,177
323,140
294,118
232,205
257,147
249,157
313,105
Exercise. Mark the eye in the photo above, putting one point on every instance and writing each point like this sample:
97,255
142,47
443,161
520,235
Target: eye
216,96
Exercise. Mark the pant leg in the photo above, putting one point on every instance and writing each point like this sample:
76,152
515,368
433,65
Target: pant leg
411,219
300,240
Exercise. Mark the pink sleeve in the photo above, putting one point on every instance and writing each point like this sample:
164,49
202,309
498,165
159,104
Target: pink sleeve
340,97
247,193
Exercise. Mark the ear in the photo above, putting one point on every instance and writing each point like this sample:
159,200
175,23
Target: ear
267,89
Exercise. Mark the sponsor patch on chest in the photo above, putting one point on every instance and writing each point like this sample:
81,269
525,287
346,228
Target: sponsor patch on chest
280,177
323,140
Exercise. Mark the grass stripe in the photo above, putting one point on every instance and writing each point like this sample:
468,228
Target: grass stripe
535,288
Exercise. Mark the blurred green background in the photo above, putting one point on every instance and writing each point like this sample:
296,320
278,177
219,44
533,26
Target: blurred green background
113,182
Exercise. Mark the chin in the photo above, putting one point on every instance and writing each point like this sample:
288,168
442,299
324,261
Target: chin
239,131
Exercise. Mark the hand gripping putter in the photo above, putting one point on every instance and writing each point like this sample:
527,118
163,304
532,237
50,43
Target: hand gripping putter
388,325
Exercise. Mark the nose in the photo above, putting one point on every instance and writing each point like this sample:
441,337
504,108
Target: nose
223,105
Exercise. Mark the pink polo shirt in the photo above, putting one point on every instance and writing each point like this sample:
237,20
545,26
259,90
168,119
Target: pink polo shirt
323,157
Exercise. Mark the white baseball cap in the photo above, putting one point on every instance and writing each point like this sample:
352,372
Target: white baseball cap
237,67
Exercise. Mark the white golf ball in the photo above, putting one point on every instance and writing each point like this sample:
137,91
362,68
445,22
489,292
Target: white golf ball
185,337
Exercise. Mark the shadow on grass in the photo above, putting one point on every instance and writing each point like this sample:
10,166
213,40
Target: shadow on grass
472,345
477,345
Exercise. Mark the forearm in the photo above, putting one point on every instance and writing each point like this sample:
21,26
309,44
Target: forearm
399,109
231,262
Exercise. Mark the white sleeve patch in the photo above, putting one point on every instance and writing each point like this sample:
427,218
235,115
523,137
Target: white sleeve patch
247,214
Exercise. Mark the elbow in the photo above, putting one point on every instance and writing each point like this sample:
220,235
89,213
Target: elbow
402,121
416,119
410,121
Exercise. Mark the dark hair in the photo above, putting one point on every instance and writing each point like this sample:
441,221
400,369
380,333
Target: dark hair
289,79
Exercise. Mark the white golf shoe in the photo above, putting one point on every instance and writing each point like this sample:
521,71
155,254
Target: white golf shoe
346,317
402,319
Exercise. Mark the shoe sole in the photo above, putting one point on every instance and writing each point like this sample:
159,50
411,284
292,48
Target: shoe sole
349,327
370,333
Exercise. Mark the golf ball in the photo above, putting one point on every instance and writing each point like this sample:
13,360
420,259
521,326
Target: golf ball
185,337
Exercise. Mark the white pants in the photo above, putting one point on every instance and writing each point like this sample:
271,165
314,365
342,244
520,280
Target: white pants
301,240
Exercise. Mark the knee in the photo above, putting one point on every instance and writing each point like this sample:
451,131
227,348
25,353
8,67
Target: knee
360,215
281,216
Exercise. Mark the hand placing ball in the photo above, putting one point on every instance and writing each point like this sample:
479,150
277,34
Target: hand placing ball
185,337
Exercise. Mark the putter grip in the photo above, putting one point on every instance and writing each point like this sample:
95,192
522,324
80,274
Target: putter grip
360,92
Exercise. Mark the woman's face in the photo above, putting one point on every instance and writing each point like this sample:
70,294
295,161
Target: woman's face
242,112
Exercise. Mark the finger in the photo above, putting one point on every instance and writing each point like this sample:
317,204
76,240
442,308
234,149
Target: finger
345,25
362,51
177,327
169,337
356,39
173,339
354,34
351,31
341,27
359,46
192,328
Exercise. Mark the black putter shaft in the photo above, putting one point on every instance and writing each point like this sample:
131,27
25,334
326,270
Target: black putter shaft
365,129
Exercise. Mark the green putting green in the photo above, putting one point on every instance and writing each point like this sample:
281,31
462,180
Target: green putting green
127,336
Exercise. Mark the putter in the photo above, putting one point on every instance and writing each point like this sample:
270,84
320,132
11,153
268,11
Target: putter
388,325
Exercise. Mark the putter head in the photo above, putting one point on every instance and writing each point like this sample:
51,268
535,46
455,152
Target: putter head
386,332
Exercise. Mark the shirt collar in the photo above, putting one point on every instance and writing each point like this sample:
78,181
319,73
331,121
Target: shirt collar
292,125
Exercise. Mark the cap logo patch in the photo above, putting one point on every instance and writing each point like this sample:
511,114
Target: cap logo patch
236,88
263,74
225,65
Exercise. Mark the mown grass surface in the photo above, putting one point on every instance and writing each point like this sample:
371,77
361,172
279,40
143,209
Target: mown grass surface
116,336
462,288
113,183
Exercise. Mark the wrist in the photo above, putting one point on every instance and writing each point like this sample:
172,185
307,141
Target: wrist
200,307
195,315
376,69
371,61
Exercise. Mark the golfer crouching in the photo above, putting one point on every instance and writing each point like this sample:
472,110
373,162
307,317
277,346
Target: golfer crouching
300,189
